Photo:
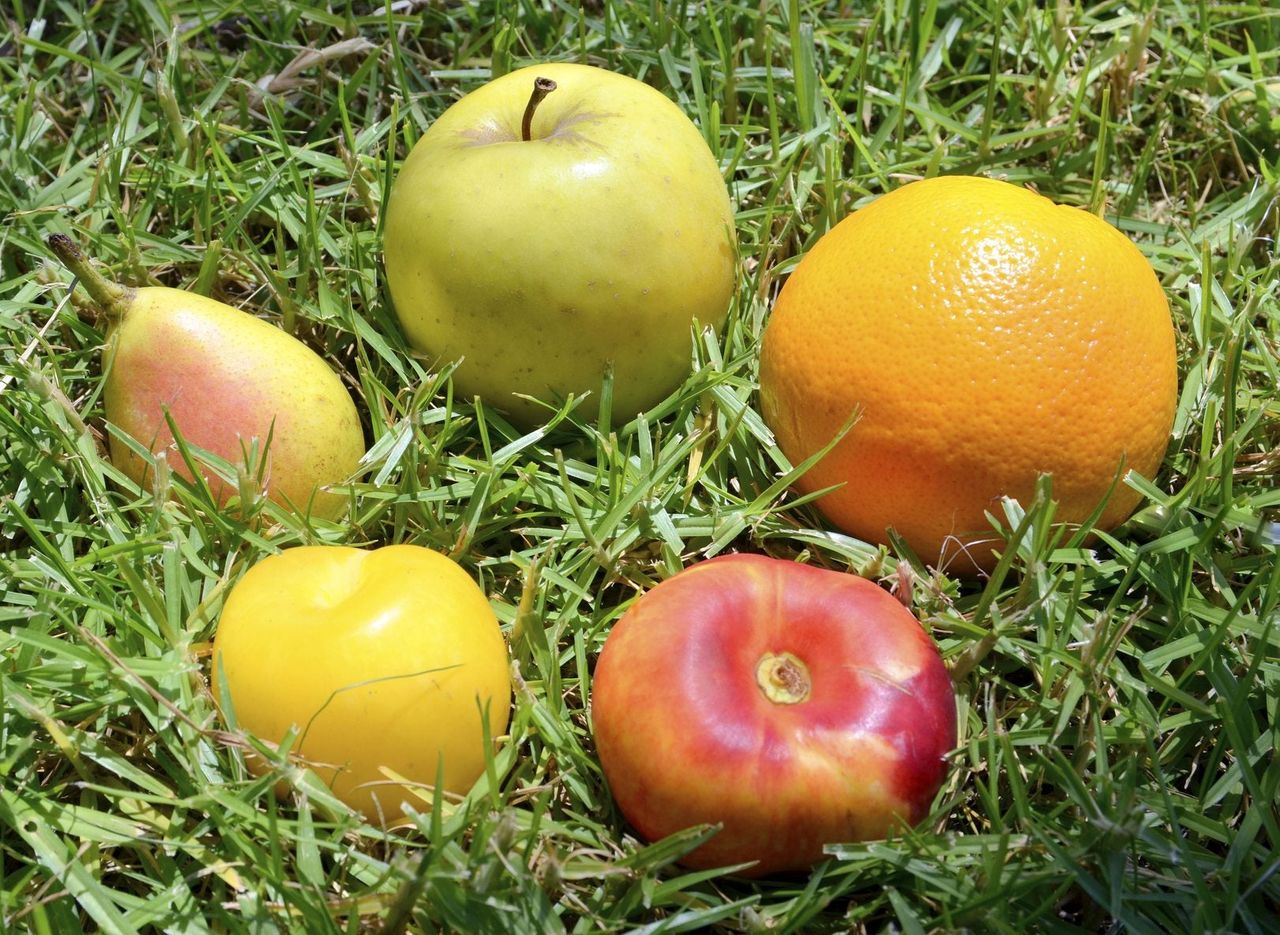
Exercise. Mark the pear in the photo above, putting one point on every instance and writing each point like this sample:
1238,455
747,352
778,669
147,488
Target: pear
232,384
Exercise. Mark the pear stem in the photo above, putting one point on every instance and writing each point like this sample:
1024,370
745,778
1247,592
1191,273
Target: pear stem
113,298
541,88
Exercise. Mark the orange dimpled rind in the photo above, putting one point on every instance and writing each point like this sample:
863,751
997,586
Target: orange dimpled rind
982,336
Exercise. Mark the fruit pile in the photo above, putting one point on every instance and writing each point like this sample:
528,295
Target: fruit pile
937,351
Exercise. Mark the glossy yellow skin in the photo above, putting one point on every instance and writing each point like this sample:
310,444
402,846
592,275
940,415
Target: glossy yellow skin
602,239
379,658
227,378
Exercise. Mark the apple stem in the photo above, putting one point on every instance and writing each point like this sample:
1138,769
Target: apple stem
541,88
113,298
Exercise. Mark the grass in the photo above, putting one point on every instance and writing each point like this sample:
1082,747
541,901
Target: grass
1116,769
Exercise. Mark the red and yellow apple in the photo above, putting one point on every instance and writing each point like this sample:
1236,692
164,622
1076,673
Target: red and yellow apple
544,236
794,706
378,658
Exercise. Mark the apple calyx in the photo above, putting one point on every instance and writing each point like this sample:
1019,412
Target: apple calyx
541,88
783,678
113,298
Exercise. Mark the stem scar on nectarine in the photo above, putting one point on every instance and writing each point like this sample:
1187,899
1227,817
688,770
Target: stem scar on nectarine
783,678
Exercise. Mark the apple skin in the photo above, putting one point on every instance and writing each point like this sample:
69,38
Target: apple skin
381,657
686,734
600,240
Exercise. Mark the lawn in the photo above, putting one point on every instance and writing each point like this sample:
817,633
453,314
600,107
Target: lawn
1116,767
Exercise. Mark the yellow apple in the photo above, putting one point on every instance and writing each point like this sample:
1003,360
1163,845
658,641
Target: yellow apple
543,236
384,658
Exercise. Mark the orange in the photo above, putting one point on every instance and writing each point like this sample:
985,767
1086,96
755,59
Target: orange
985,335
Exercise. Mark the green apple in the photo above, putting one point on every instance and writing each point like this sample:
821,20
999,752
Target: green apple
555,222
